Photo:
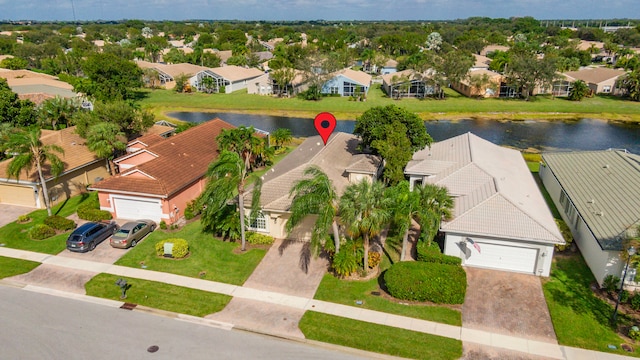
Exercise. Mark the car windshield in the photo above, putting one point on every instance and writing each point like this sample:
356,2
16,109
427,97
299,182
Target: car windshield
75,238
122,233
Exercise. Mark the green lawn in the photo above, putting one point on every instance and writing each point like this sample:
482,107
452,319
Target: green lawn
15,236
207,254
455,106
579,317
378,338
12,267
158,295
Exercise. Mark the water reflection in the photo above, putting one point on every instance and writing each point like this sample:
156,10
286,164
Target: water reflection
583,134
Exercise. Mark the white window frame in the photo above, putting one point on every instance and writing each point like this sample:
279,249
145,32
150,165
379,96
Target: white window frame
259,223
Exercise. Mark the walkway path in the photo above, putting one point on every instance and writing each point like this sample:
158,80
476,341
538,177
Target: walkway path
522,345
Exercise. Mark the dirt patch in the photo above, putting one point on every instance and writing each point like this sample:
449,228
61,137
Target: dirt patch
507,303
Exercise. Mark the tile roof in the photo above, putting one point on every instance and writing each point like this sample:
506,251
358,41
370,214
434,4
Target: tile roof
595,75
360,77
182,159
481,61
604,186
334,159
235,73
409,73
76,153
494,192
172,70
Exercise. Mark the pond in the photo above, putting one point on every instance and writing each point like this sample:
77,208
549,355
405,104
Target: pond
583,134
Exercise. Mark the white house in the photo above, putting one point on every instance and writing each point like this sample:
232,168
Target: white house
347,82
500,219
598,195
225,79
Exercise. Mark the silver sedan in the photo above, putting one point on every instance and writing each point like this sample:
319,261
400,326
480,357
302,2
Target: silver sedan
131,233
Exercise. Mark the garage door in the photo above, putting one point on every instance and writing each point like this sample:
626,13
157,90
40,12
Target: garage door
17,195
503,257
138,208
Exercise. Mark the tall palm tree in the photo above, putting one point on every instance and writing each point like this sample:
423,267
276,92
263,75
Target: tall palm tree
57,111
104,139
227,179
315,194
31,152
435,204
242,141
365,210
405,208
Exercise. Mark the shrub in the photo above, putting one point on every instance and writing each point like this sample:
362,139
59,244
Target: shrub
635,302
60,223
345,262
610,283
431,253
374,259
41,231
23,219
258,239
566,234
163,225
90,210
634,333
624,296
420,281
191,210
180,247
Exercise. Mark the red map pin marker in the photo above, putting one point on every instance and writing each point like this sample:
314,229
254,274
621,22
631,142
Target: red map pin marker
324,123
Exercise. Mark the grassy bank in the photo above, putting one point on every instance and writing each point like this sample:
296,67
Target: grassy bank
455,106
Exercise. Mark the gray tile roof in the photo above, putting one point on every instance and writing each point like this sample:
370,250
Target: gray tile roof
604,186
494,191
334,159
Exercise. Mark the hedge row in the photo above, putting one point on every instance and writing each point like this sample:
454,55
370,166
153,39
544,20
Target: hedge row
41,232
424,281
258,239
180,247
60,223
431,253
90,210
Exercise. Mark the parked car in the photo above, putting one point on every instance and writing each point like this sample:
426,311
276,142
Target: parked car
131,233
88,236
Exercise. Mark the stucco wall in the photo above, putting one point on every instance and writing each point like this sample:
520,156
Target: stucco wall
75,182
179,202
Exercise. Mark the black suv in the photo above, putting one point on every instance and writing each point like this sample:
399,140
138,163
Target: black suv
88,236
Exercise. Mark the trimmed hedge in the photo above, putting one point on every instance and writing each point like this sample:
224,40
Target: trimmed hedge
90,210
41,232
258,239
424,281
432,254
180,247
60,223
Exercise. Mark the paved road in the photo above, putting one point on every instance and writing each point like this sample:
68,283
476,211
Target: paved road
40,326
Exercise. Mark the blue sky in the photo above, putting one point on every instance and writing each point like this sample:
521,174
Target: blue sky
314,9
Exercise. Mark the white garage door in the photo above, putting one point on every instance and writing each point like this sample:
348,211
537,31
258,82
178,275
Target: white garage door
138,208
503,257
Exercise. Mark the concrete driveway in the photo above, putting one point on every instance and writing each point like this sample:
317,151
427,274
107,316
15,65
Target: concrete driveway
10,213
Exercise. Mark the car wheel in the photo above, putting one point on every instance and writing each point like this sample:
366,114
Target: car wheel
153,227
92,246
134,243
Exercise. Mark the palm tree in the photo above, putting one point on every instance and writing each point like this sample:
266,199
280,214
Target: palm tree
405,208
281,136
31,152
244,142
435,204
578,91
57,111
365,210
104,139
315,194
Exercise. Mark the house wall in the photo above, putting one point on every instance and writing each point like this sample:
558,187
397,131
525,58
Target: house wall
260,86
238,85
338,82
545,252
75,182
602,87
601,262
173,207
276,222
388,70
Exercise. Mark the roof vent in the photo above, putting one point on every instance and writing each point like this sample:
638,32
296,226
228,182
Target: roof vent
599,213
606,166
591,201
73,143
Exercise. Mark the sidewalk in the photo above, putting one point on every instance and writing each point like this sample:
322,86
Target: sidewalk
526,346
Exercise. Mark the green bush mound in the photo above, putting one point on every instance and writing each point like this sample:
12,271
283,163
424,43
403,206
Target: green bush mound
259,239
425,281
90,210
431,253
180,247
60,223
41,232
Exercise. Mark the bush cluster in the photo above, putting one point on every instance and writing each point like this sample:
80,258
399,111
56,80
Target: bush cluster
90,210
191,210
180,247
23,219
41,231
60,223
259,239
423,281
348,260
374,259
431,253
634,333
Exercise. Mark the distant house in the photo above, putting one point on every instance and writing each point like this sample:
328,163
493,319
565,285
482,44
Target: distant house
491,88
81,168
160,176
500,219
225,79
389,67
481,62
347,82
409,83
490,49
36,87
266,85
600,80
339,159
167,73
598,195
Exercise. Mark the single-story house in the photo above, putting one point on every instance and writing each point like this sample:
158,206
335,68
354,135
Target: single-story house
262,85
160,176
491,88
347,82
481,62
600,80
598,195
81,168
225,78
168,72
500,219
35,86
409,83
339,159
389,67
266,85
490,49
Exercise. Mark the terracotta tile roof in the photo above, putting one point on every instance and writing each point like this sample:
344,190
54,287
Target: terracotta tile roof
76,153
36,98
182,159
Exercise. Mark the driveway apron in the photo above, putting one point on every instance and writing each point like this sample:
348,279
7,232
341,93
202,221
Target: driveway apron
287,268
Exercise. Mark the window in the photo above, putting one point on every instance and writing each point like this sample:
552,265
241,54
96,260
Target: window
258,223
606,89
334,90
349,89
